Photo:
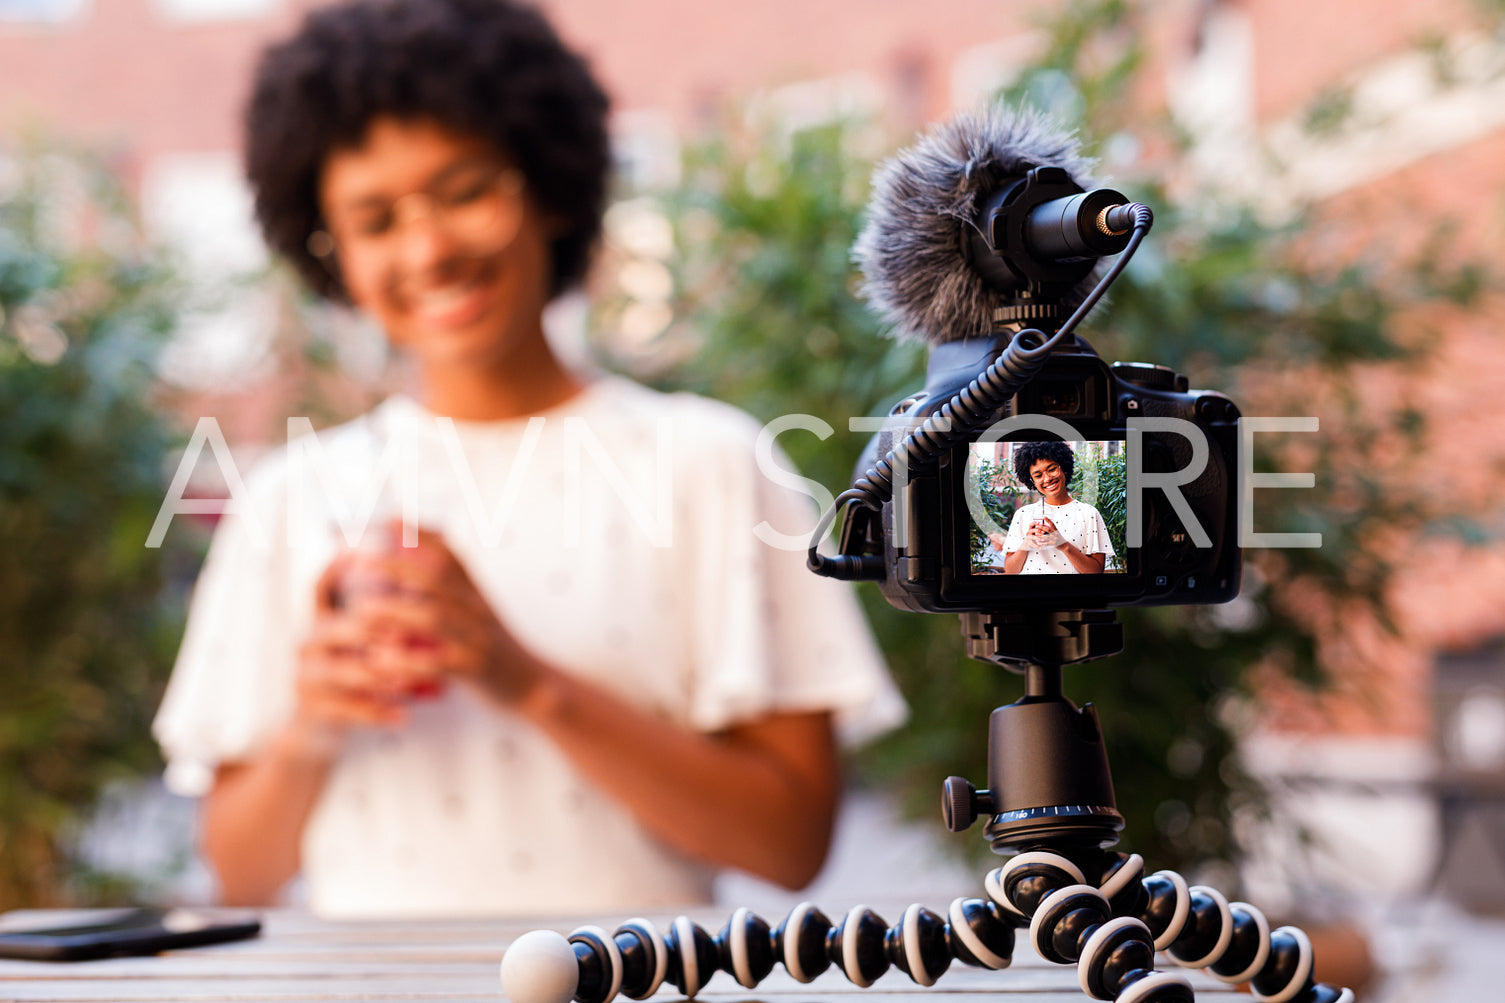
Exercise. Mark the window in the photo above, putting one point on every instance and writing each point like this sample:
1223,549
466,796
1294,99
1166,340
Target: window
198,204
213,10
40,11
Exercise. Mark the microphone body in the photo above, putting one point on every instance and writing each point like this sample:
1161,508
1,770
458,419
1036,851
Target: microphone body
1079,226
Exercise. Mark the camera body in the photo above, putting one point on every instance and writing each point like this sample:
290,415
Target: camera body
935,533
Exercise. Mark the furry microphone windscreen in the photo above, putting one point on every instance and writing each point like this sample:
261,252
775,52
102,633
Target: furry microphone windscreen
910,251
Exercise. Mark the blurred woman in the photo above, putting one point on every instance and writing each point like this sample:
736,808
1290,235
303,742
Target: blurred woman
586,684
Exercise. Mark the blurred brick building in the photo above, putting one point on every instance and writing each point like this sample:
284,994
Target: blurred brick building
158,84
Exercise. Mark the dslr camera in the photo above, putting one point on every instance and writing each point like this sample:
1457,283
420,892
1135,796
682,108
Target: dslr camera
960,506
1155,498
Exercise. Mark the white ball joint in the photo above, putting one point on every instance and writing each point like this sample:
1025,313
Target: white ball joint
540,967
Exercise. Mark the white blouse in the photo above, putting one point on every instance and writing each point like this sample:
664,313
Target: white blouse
1078,523
615,535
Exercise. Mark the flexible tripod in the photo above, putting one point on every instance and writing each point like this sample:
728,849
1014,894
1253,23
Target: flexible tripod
1049,802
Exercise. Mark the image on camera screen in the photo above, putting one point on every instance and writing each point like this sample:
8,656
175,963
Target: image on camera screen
1047,508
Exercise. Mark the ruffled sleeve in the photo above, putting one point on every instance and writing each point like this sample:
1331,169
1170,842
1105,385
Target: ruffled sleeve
232,685
769,636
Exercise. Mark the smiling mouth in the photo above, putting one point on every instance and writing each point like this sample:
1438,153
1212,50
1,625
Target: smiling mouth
452,302
439,299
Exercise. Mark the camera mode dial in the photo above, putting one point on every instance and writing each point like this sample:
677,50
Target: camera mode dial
1149,376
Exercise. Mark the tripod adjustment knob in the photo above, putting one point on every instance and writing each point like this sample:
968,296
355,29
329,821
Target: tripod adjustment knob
961,803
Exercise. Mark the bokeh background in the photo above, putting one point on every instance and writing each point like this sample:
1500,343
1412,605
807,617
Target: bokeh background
1329,183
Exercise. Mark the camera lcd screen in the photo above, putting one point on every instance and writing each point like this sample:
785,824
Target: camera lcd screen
1047,508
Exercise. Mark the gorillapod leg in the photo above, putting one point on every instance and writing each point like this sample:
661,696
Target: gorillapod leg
1109,919
591,966
1103,914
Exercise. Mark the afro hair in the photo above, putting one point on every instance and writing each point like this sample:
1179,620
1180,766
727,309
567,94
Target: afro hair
1029,453
488,68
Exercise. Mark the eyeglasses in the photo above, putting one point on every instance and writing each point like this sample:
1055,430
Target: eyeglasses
482,210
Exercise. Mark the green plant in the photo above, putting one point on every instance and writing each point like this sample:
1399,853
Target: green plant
87,625
1113,503
988,480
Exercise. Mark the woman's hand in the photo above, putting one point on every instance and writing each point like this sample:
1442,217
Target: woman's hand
338,685
433,622
1043,535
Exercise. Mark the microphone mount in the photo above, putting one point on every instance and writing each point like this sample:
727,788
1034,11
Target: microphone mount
1042,234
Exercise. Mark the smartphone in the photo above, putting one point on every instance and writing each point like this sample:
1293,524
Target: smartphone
87,934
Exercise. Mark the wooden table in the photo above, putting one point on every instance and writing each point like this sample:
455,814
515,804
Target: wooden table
301,958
